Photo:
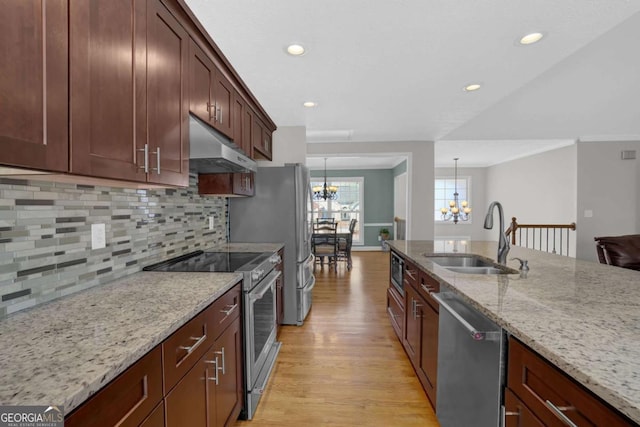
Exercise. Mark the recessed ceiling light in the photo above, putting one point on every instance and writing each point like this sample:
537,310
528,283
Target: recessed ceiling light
295,50
310,104
531,38
471,87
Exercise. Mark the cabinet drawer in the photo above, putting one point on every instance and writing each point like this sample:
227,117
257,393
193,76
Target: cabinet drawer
517,414
427,286
185,346
410,274
539,385
396,311
225,309
156,419
127,400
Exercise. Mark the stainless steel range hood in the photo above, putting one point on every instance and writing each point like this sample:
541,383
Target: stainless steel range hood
212,152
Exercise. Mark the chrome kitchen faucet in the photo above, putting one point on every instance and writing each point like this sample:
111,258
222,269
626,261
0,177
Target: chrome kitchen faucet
503,242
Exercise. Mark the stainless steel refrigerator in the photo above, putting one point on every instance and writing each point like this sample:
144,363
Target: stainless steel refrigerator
280,211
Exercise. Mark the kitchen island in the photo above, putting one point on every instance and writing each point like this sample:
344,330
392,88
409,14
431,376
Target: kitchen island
64,351
581,316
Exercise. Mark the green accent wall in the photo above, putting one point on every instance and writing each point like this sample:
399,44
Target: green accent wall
378,198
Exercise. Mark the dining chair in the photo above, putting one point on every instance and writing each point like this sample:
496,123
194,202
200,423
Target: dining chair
324,244
345,242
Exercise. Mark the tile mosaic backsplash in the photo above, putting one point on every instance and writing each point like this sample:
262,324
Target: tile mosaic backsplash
45,235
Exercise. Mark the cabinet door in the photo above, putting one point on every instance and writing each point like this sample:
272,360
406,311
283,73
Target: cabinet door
395,309
223,98
261,139
167,101
243,184
107,88
247,130
33,86
228,390
201,73
156,419
187,403
428,365
412,332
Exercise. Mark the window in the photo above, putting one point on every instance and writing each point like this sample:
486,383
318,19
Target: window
347,206
443,194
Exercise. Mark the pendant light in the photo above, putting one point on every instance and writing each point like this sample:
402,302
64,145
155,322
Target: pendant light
457,211
325,192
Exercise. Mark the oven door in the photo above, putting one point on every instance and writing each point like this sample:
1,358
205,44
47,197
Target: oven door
260,321
397,268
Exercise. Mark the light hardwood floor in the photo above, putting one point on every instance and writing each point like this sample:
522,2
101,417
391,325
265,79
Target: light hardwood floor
345,366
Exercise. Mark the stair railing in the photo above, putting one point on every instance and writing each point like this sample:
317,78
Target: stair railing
552,238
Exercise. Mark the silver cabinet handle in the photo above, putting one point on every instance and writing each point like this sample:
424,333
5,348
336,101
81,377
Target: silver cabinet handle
198,341
220,114
505,414
215,369
221,352
559,411
228,311
145,150
209,109
157,153
475,334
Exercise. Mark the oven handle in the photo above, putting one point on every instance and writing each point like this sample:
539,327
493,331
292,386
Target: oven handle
268,283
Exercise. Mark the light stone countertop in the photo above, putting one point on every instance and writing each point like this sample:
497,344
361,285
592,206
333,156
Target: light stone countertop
582,316
64,351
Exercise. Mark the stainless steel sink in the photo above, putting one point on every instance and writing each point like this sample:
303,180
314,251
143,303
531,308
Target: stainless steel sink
482,270
459,261
469,264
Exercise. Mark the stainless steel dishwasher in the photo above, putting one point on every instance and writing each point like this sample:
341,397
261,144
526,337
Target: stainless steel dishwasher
471,365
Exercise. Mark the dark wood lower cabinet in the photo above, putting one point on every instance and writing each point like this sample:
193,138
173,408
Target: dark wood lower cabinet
186,403
127,400
420,339
211,393
517,414
203,387
395,309
156,419
551,395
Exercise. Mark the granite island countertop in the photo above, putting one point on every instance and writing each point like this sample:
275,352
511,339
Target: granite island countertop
64,351
582,316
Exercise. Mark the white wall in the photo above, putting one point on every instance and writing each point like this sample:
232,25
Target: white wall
477,201
608,187
420,160
289,146
539,189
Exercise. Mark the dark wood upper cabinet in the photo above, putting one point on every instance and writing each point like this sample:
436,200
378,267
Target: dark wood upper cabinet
33,86
128,105
167,98
107,88
212,94
103,89
226,184
261,139
201,75
223,102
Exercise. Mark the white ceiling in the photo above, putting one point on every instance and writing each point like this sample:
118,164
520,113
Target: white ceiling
393,70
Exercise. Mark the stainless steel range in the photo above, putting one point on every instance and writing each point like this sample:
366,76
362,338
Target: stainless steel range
259,308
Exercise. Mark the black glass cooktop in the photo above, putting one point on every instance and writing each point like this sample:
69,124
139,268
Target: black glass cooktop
200,261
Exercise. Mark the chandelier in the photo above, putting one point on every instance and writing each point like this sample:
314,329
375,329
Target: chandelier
457,211
325,192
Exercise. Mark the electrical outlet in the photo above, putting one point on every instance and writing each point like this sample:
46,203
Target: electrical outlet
98,236
211,222
379,238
